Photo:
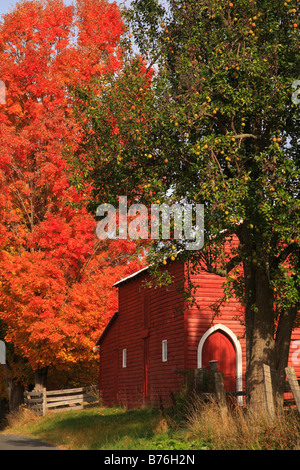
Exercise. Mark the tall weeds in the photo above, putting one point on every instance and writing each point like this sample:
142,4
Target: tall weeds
239,429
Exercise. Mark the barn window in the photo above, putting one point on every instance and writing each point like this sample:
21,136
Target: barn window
124,359
164,350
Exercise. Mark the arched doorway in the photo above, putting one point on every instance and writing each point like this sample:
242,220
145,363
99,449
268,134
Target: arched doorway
220,344
218,347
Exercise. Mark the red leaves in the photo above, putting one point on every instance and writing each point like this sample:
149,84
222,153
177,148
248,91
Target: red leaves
55,275
52,307
100,25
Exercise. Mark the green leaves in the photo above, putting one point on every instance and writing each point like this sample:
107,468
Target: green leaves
217,123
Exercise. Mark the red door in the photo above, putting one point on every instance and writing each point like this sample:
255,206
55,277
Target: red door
218,347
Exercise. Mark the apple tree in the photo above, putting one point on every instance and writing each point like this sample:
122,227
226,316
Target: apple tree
219,126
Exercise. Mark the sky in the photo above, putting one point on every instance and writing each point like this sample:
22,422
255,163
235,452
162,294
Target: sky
7,5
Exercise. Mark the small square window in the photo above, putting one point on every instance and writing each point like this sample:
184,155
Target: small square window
124,358
164,350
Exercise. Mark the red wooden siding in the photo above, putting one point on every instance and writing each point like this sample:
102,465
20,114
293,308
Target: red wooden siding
294,356
109,364
201,318
145,318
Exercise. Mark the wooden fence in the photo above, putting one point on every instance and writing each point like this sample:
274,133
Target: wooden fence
210,383
293,383
43,400
291,388
217,388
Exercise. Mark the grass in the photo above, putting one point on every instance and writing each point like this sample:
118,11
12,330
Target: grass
103,428
201,426
241,429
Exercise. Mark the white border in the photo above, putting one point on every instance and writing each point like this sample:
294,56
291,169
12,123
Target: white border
238,351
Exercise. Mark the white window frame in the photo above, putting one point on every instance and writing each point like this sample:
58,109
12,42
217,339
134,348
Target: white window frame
124,358
164,350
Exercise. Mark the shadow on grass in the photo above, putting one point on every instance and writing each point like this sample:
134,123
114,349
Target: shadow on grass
99,428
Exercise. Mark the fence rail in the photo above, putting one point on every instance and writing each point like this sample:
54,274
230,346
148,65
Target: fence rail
43,400
211,383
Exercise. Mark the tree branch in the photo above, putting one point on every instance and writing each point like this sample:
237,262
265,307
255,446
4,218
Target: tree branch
292,248
223,272
243,136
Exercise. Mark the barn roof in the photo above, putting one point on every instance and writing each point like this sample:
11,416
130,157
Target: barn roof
138,273
125,279
104,332
116,284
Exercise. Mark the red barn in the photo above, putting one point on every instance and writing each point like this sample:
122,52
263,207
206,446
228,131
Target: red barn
154,337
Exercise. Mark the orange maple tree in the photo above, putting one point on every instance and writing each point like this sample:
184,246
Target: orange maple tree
55,275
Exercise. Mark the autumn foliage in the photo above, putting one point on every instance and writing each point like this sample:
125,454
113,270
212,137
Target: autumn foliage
56,276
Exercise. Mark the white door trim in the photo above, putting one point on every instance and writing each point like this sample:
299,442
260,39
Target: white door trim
238,351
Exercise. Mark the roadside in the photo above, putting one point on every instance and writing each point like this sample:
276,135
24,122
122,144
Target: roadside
100,428
205,426
17,442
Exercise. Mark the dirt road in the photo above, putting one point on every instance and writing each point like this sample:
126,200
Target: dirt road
16,442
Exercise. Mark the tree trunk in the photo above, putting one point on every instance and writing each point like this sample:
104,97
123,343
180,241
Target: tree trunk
14,389
282,347
4,409
260,336
265,343
16,395
268,332
40,378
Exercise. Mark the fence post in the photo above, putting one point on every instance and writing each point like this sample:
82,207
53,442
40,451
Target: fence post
44,407
268,390
292,379
43,391
219,388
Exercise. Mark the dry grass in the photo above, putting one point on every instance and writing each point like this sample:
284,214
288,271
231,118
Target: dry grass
205,426
20,417
238,429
